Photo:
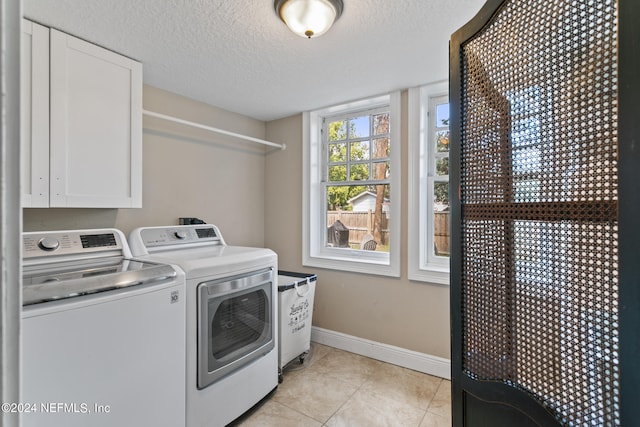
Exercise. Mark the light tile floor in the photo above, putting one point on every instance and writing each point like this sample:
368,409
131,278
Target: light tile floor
335,388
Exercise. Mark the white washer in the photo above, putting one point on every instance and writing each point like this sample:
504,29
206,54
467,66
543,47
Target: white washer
232,352
102,335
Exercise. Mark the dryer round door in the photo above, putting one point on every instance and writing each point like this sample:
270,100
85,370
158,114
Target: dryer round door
235,323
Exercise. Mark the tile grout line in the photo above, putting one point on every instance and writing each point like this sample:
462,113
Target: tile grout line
347,400
426,412
367,387
323,423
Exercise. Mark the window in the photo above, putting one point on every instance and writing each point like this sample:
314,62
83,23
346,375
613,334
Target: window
352,187
429,215
529,116
526,140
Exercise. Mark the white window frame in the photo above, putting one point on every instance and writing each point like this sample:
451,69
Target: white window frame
423,264
314,251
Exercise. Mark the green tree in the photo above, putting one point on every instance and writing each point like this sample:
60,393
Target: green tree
338,195
338,130
441,192
441,189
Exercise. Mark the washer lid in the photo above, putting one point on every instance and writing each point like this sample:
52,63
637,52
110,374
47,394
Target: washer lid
73,279
214,261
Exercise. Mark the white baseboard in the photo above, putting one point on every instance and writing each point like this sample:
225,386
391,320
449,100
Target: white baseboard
421,362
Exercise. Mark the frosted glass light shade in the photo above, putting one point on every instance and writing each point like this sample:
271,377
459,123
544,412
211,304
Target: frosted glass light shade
309,18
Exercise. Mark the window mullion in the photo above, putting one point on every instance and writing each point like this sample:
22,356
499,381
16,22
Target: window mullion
324,148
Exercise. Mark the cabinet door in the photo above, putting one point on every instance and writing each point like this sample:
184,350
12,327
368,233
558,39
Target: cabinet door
34,115
96,126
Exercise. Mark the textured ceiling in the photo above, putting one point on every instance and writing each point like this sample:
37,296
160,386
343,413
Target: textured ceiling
239,56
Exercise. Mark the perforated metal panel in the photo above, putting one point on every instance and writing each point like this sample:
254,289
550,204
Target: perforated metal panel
538,190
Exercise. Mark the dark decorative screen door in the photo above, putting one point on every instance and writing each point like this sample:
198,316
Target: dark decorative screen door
544,159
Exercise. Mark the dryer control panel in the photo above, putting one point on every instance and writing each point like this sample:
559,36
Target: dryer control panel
156,237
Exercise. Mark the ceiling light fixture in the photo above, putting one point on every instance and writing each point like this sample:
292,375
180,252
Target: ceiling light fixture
309,18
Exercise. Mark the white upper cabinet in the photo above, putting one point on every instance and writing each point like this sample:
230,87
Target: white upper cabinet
35,115
95,128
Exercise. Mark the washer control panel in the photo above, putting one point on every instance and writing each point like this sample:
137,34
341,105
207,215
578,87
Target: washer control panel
56,243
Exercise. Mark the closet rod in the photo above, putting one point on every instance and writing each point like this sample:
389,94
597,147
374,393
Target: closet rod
212,129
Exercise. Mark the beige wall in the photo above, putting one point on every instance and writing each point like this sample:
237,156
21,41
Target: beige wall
399,312
255,197
186,172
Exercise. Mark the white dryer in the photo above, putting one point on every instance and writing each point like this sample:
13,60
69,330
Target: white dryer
232,352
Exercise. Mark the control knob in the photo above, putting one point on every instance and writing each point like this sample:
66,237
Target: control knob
181,235
48,244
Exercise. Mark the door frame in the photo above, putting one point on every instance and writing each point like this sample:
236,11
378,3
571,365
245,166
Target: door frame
628,209
10,208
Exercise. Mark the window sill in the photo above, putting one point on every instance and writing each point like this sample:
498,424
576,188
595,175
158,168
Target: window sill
435,275
365,266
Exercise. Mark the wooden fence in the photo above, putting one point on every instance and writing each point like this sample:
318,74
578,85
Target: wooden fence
359,224
441,233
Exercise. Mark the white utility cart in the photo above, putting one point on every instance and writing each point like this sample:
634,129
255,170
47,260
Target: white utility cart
295,306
